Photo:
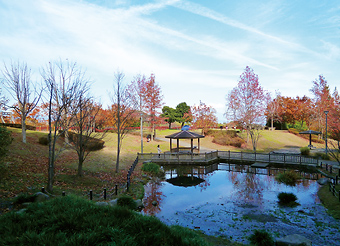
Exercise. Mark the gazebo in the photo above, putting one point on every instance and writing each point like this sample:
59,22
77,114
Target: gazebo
185,135
310,132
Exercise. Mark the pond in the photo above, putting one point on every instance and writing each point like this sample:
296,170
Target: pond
233,200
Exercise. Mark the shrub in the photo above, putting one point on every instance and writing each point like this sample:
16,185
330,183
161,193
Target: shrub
288,178
28,127
22,198
151,167
43,140
74,221
293,131
94,144
5,140
261,238
287,199
90,144
127,202
305,151
228,138
322,155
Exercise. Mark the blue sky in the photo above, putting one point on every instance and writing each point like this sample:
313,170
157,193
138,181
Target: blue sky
196,49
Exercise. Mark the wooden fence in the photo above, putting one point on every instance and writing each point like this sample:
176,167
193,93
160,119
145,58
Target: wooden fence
187,157
332,188
130,173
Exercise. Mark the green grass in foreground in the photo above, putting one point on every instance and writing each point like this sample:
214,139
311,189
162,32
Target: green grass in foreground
331,202
74,221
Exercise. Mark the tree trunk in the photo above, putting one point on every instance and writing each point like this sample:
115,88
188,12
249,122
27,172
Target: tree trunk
118,152
272,123
80,166
80,140
50,176
23,127
50,179
153,132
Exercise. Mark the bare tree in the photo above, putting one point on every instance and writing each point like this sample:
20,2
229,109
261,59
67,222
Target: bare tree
65,83
123,109
17,80
84,138
273,108
3,99
137,89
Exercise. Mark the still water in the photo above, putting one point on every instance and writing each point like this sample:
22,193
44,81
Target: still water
231,201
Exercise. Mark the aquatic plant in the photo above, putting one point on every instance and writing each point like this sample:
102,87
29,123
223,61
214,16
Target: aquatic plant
261,238
288,178
287,199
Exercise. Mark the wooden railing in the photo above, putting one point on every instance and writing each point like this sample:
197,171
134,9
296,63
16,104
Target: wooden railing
270,157
332,189
132,168
229,155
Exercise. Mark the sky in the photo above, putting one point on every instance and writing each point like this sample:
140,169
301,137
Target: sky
197,50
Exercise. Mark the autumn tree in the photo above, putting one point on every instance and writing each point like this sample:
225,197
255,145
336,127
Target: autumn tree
204,117
153,101
102,117
333,125
123,110
183,113
305,111
65,82
17,80
84,138
287,110
246,103
322,100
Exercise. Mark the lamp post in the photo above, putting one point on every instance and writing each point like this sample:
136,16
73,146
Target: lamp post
326,112
141,133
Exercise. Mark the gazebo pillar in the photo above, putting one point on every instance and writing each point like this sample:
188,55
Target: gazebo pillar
177,145
192,145
198,145
170,145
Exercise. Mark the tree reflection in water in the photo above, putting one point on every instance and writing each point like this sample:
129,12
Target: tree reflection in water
247,187
153,194
243,185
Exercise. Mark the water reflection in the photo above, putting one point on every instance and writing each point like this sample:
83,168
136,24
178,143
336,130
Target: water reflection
153,197
222,183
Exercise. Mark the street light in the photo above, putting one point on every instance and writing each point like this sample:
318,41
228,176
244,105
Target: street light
326,112
141,132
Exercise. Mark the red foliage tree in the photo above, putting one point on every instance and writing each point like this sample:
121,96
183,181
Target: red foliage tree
334,126
247,104
203,117
153,102
322,99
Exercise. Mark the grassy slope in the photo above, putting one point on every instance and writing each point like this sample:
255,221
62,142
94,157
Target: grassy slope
269,141
272,140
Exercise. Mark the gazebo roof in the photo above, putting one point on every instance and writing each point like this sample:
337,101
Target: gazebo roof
184,134
310,132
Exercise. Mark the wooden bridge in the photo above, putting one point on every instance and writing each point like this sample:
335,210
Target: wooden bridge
228,156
